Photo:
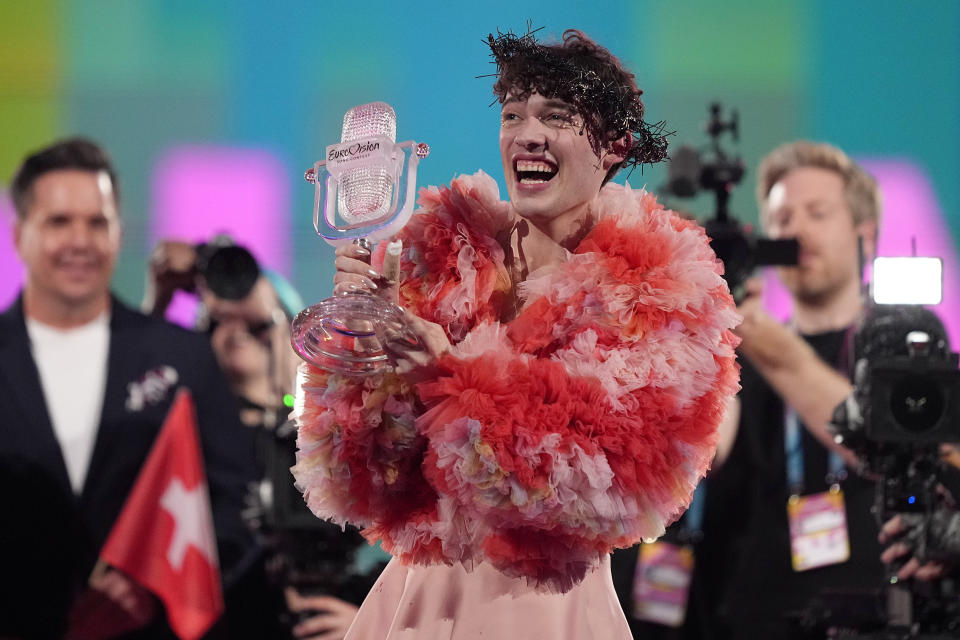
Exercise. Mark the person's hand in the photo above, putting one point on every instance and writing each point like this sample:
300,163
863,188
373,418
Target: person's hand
332,616
172,267
415,347
354,274
114,604
134,601
950,454
762,339
755,318
902,533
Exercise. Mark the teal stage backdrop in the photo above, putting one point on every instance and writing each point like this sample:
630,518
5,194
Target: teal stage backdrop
171,84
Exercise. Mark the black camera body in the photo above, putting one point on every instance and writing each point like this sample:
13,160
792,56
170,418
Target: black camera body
915,400
313,555
692,171
906,384
905,404
227,269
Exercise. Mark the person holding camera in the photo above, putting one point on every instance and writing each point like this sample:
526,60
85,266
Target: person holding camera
243,314
808,524
246,312
85,386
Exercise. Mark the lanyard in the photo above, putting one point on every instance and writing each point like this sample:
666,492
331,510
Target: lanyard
793,447
793,441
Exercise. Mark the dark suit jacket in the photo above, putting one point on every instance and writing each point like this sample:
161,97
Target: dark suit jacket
50,537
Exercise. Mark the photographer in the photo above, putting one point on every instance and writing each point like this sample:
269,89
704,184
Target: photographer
242,313
790,467
246,313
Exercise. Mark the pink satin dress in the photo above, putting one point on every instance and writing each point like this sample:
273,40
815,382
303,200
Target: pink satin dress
442,602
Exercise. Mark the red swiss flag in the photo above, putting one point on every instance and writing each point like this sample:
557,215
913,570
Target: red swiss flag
164,537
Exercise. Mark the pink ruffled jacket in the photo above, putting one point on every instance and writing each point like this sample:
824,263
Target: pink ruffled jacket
582,425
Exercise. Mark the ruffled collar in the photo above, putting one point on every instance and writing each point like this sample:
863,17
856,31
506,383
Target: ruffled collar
480,195
458,268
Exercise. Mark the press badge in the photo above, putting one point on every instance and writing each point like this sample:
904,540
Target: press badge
818,530
661,583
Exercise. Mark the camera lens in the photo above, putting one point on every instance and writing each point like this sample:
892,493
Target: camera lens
229,271
917,403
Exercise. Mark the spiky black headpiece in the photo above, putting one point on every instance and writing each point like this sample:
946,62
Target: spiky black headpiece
588,77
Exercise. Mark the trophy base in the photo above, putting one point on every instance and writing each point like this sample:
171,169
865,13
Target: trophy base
340,334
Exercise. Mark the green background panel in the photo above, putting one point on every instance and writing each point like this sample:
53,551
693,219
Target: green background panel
878,79
136,127
28,123
116,43
30,52
726,45
766,118
31,76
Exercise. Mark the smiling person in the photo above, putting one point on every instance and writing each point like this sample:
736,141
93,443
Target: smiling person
85,385
574,359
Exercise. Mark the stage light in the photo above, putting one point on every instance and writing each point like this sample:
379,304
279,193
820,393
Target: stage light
904,280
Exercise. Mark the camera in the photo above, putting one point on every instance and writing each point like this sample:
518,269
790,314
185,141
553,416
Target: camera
908,378
305,552
905,404
906,398
227,269
716,171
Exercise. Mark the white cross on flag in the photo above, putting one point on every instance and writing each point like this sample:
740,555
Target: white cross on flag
164,538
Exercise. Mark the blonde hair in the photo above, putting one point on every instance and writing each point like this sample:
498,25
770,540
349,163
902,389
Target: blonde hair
859,187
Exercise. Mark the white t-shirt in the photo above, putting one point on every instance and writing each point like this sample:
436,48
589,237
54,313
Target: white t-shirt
73,373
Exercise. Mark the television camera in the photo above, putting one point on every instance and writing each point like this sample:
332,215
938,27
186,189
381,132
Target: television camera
905,405
716,171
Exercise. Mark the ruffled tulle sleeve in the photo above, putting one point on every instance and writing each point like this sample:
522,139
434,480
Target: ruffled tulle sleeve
454,273
359,454
586,423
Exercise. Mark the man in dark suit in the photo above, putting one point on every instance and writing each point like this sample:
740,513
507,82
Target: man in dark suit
85,384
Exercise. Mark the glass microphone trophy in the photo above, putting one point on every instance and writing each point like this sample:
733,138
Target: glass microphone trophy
357,199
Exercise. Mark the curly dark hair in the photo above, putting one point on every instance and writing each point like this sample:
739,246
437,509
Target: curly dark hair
592,80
